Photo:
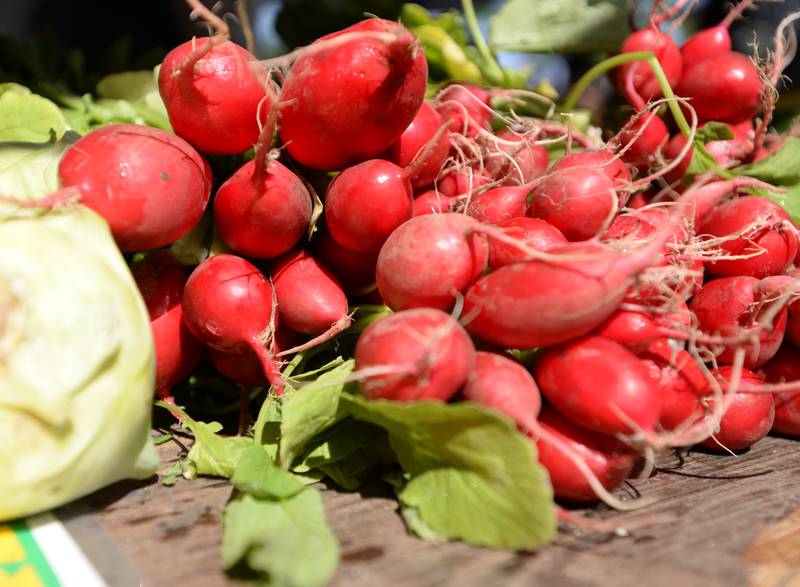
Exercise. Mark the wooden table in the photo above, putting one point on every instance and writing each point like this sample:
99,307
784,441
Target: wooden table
715,521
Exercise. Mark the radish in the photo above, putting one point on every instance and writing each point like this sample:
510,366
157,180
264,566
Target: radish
212,94
467,107
422,130
772,238
262,213
644,82
644,136
521,162
749,417
607,458
726,152
310,300
149,185
433,202
497,205
454,259
784,367
458,183
599,385
351,94
228,305
354,271
161,281
728,74
732,306
243,368
713,40
501,383
536,234
414,354
540,303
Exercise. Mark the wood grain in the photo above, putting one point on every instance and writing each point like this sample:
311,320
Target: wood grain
712,523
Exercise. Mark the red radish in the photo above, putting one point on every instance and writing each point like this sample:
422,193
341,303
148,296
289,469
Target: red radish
228,305
608,458
501,383
149,185
730,74
633,330
536,234
599,385
467,107
730,306
415,139
713,40
454,259
262,215
497,205
773,238
433,202
540,303
212,94
749,417
366,202
355,271
726,152
601,159
784,367
161,281
310,300
643,137
644,81
521,162
351,94
457,183
243,368
414,354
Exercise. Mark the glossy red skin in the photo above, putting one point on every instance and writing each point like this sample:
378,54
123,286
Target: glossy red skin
726,306
415,140
243,368
501,383
473,99
633,330
262,220
457,183
603,160
227,303
149,185
453,260
309,297
778,240
748,419
784,367
608,458
644,82
497,205
348,103
355,271
435,349
578,201
534,232
536,304
531,159
643,148
432,202
213,104
706,43
366,202
583,378
161,281
728,74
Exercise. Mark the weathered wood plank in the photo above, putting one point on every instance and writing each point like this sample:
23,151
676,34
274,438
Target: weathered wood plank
707,511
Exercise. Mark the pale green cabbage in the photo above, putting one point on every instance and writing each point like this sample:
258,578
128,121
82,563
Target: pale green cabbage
76,362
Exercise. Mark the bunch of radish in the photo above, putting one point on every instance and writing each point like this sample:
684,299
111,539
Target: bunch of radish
663,314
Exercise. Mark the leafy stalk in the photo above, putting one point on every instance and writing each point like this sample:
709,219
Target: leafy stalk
493,71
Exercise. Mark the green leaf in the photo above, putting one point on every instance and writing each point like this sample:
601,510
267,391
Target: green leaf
713,131
311,409
559,26
287,541
257,475
780,168
128,85
473,476
170,475
29,172
790,201
29,118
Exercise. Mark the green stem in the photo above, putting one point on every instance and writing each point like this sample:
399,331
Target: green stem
608,64
493,71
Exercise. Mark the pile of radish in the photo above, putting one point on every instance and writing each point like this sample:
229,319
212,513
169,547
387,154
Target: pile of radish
660,301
